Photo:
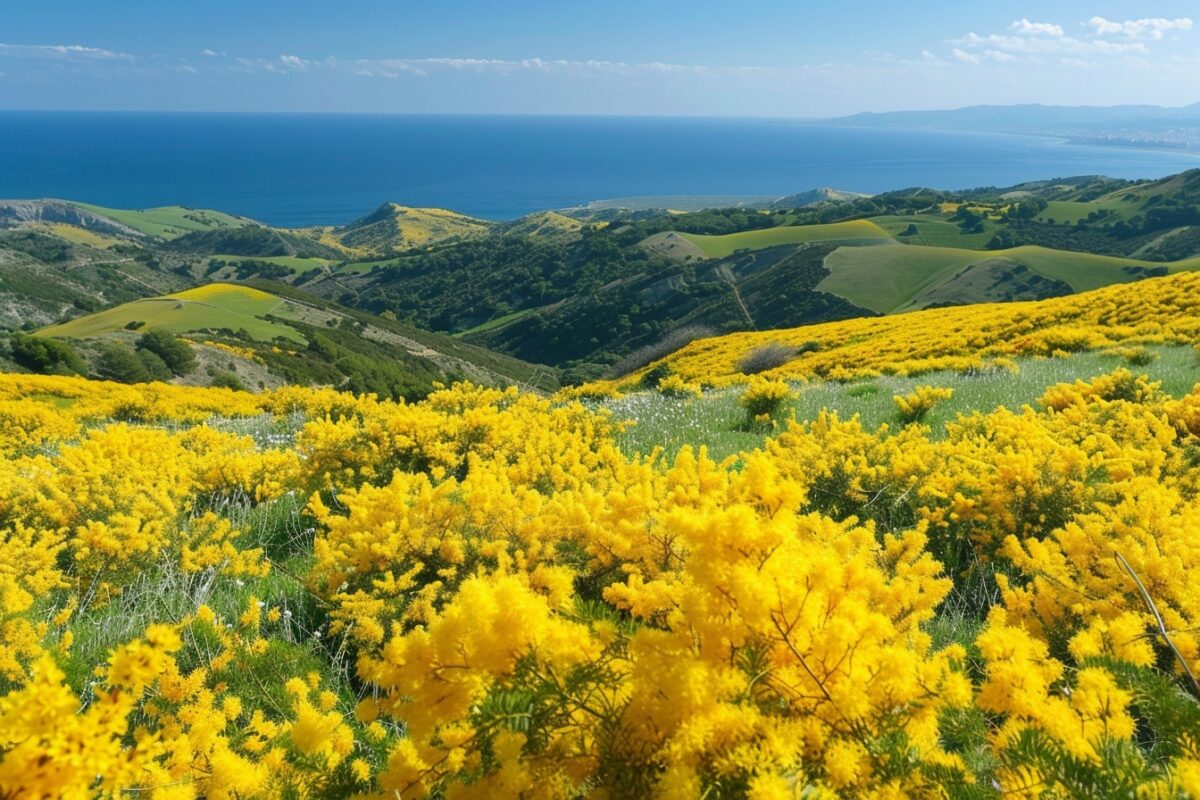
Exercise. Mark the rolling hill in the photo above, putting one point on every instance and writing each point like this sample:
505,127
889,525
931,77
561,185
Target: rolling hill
167,222
891,278
216,306
544,224
270,333
257,241
721,246
970,337
393,227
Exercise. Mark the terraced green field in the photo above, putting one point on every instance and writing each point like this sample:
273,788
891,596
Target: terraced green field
210,307
721,246
891,278
168,222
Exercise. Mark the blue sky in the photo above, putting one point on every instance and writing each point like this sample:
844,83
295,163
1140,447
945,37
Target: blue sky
763,58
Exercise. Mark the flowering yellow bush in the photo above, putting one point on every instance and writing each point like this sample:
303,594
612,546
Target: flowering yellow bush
920,401
675,386
481,595
763,398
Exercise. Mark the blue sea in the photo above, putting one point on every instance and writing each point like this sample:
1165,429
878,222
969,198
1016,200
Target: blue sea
303,169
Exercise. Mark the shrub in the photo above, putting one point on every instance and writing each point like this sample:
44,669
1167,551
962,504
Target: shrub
227,380
46,356
155,366
656,375
920,401
174,352
675,386
764,399
770,356
116,362
673,341
1139,356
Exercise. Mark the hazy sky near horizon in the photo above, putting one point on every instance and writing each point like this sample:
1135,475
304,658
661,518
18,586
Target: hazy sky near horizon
764,58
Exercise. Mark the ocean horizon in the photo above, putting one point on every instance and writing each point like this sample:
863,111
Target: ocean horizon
295,170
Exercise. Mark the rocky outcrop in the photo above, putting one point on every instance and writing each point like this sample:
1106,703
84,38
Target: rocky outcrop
15,212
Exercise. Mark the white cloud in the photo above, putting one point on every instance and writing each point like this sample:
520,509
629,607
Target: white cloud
1152,28
998,55
422,67
293,62
62,52
210,52
965,57
1026,28
1034,45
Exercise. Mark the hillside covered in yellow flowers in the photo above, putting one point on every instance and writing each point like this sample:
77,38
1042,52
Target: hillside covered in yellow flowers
304,593
1159,310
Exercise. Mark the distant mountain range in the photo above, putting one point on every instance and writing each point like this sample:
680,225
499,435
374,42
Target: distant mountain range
1127,125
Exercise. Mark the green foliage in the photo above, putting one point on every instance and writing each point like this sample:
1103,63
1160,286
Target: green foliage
253,240
227,379
176,354
156,368
48,249
46,356
117,362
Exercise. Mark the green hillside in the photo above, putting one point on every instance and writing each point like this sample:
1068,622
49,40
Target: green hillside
544,224
256,241
934,230
894,278
721,246
216,306
395,227
270,333
168,222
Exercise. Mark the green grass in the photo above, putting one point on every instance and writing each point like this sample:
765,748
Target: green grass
890,278
717,422
167,222
935,231
206,308
1069,211
721,246
498,322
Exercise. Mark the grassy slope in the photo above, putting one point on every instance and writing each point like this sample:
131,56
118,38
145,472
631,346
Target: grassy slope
721,246
543,224
295,263
935,231
77,235
168,222
401,227
888,279
716,421
534,375
207,307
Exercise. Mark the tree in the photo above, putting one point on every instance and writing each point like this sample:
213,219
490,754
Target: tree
117,362
173,351
155,366
46,356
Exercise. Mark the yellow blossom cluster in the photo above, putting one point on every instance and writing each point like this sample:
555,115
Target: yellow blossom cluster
920,401
486,597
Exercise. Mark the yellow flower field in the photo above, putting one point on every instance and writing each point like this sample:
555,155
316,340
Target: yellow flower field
206,593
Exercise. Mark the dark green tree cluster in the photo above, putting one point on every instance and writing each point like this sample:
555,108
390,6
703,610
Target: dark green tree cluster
46,356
